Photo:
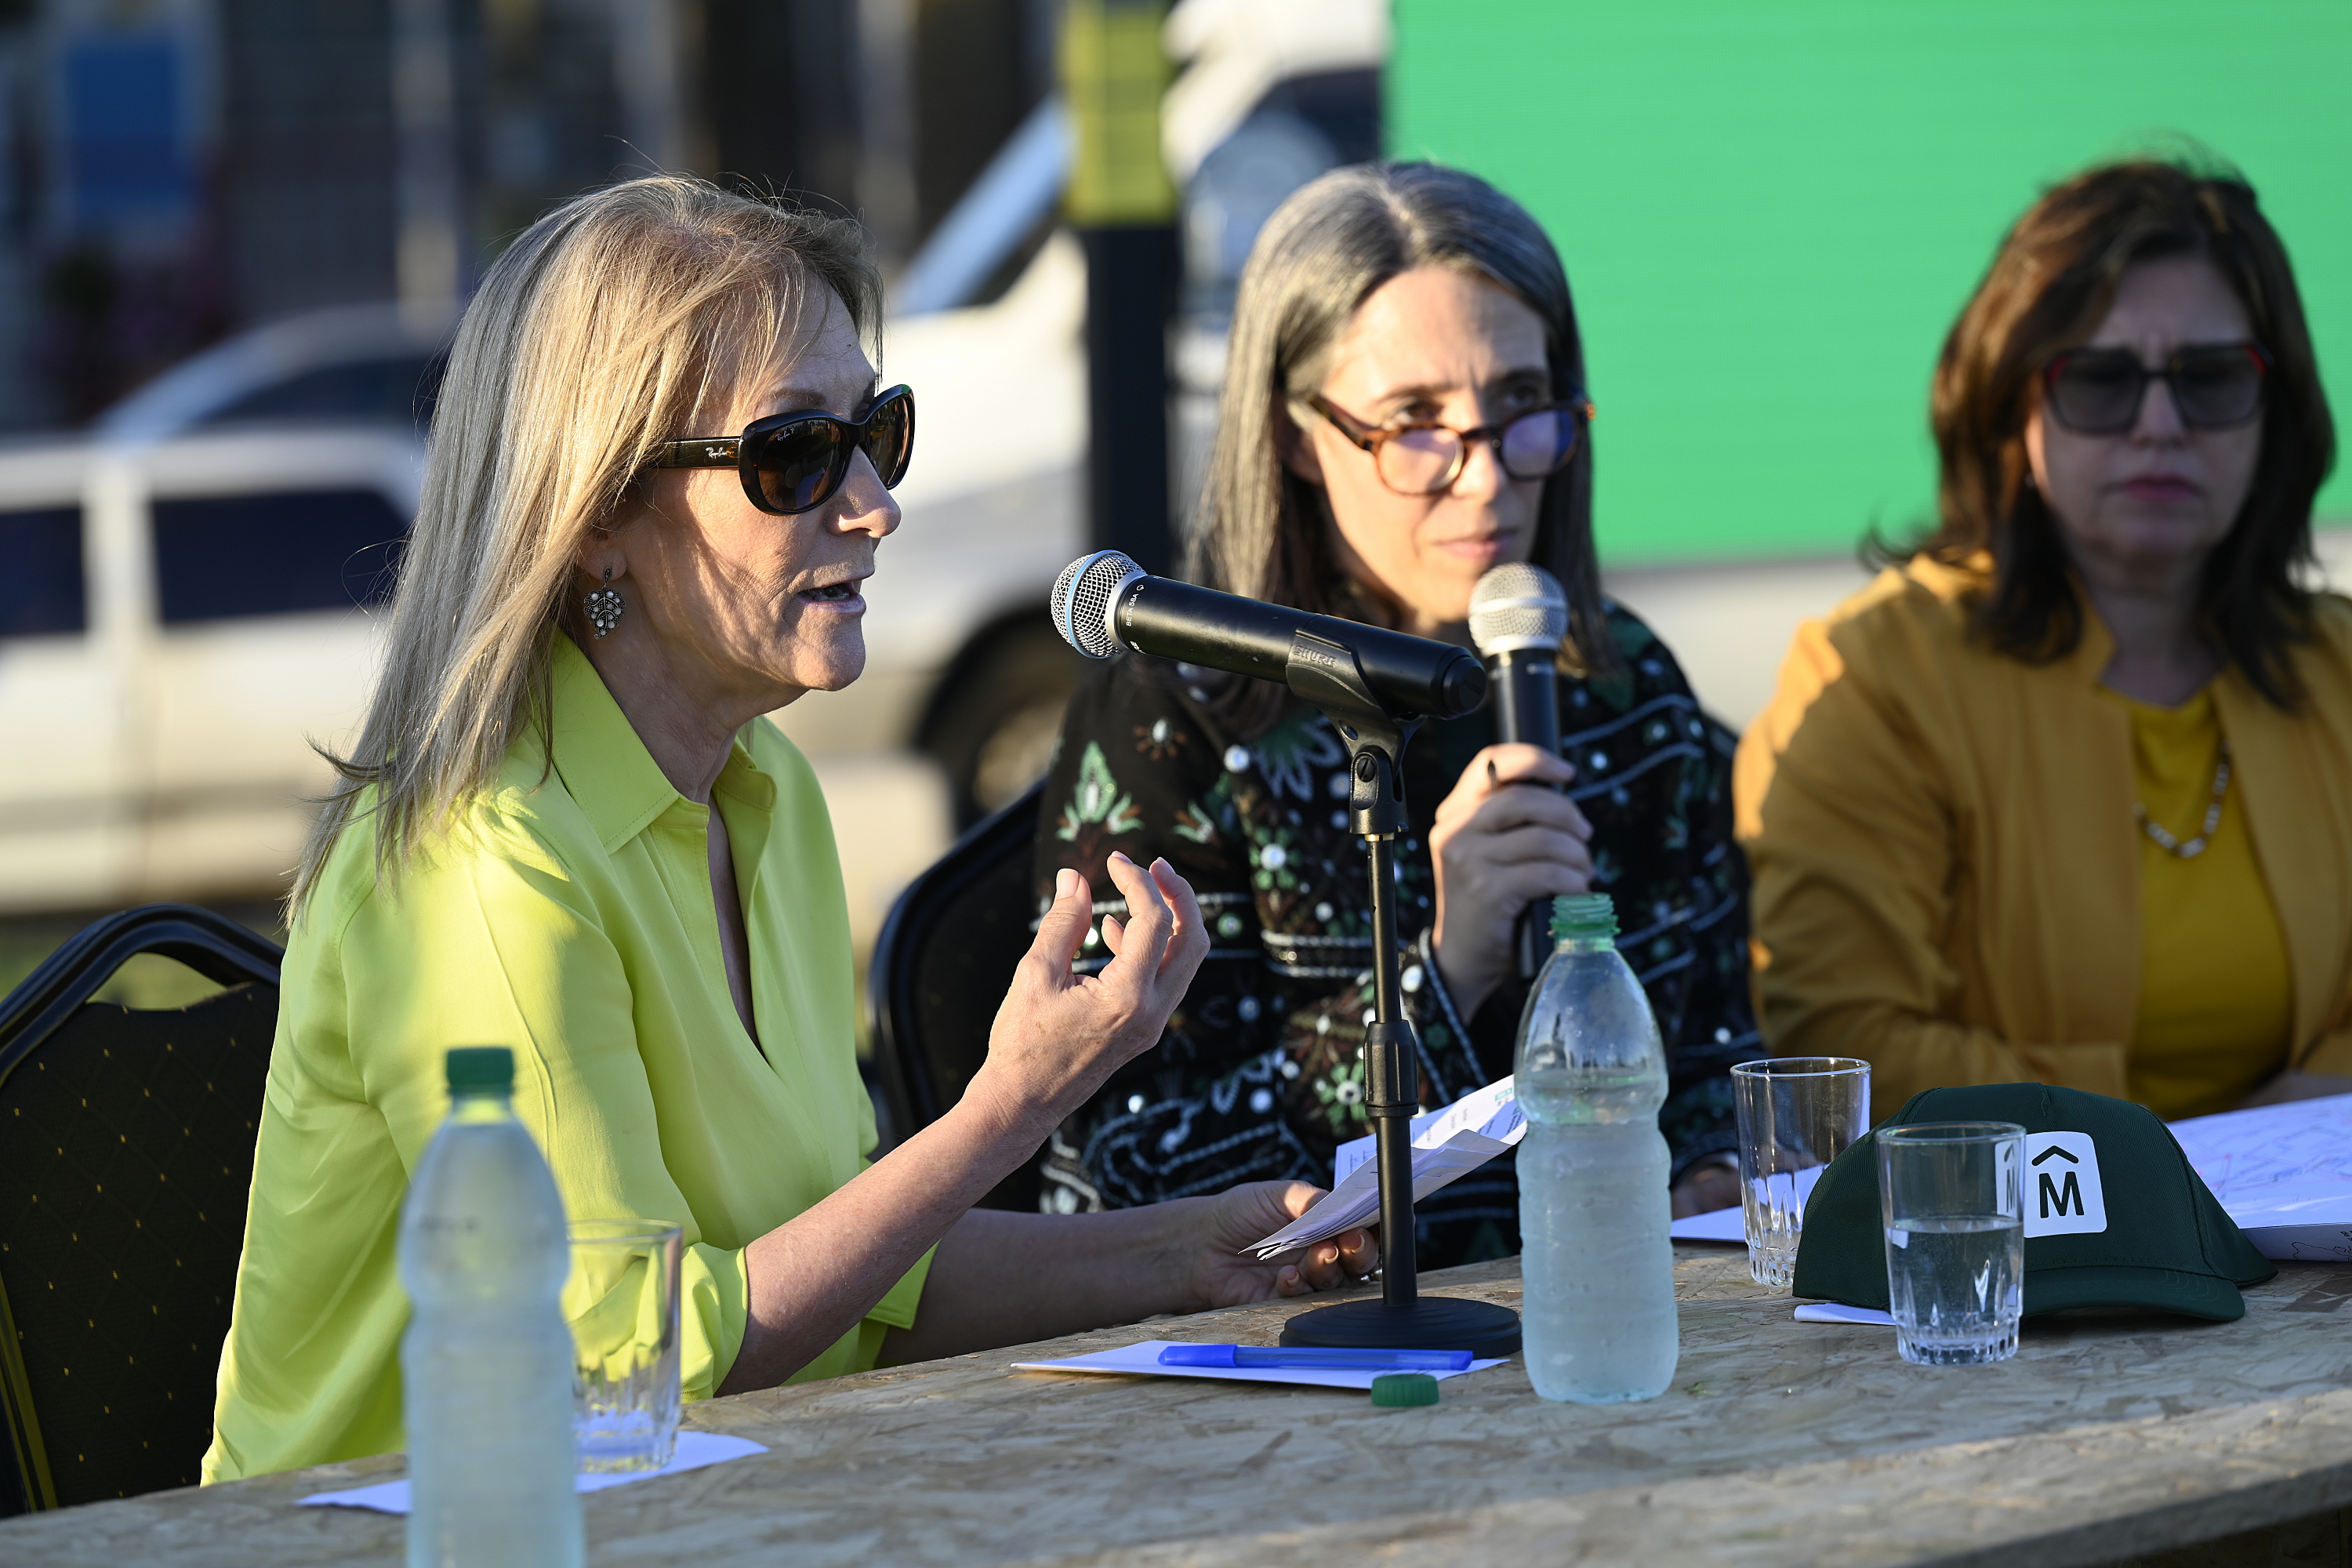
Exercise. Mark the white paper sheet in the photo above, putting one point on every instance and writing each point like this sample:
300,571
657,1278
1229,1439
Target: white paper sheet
1143,1361
1357,1200
1839,1312
1717,1225
1492,1112
1731,1224
695,1449
2283,1171
1445,1149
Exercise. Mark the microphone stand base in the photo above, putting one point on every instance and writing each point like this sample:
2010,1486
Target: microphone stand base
1425,1323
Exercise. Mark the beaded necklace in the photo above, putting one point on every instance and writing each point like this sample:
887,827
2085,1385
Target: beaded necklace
2193,847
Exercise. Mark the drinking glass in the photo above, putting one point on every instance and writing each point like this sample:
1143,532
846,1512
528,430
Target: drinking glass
1950,1193
621,1301
1796,1114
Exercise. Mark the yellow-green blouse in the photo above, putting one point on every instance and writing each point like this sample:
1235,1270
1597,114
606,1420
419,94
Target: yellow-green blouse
571,918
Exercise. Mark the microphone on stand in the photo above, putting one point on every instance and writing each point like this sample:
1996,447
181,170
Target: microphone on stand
1518,619
1105,606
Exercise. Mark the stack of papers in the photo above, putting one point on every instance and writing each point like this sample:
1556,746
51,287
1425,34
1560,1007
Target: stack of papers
2284,1173
1446,1145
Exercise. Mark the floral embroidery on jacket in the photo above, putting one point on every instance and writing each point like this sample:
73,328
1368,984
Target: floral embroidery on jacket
1096,801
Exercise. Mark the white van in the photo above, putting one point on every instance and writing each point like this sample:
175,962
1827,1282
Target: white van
187,597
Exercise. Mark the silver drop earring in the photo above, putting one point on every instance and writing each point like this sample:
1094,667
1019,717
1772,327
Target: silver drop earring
604,606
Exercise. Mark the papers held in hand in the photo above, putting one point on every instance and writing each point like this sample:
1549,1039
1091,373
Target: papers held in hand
1446,1145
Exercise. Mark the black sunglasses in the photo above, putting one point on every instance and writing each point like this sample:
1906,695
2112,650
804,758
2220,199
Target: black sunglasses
791,463
2214,386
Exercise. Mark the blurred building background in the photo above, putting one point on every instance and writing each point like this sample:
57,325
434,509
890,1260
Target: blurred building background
233,234
171,171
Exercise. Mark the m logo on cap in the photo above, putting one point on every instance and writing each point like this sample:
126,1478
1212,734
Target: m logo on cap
2062,1196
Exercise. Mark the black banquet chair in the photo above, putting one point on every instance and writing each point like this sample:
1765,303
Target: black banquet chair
940,969
126,1157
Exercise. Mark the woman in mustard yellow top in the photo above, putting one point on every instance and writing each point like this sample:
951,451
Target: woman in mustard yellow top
566,828
2068,797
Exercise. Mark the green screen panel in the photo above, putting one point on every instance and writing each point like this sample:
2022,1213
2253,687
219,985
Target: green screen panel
1771,215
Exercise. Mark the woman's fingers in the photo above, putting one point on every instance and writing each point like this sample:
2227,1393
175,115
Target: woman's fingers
1535,845
1063,926
1511,808
1190,943
1143,935
1343,1260
1517,764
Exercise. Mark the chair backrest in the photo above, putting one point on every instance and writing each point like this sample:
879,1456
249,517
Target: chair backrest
940,969
126,1158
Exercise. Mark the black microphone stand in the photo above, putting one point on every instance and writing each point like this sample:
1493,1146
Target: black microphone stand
1326,675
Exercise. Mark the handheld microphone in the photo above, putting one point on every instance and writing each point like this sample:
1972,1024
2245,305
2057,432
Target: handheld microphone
1518,619
1105,605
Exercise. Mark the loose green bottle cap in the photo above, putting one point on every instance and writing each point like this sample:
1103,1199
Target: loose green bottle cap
1585,915
481,1069
1398,1390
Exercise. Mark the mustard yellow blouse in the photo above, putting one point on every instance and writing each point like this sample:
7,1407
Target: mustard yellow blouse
569,916
2215,996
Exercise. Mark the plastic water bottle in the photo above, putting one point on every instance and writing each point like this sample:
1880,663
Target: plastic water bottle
1600,1324
485,1366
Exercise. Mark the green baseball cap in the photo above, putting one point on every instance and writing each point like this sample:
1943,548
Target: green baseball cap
2115,1215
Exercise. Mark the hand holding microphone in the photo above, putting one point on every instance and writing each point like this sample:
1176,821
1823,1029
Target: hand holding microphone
1506,841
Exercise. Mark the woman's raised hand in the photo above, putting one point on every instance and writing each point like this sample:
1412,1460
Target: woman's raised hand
1060,1034
1498,847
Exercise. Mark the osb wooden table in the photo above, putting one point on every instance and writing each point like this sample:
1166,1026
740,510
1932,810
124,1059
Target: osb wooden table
1780,1443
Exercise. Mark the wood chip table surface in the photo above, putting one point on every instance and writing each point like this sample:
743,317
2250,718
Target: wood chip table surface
2108,1437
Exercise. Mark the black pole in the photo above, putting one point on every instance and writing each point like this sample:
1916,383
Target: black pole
1394,1098
1131,298
1402,1319
1123,206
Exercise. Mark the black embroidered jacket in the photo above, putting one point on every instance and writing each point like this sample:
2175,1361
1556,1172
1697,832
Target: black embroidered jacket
1257,1076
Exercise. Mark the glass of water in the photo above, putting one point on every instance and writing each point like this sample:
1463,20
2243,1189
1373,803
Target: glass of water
1949,1192
621,1301
1796,1114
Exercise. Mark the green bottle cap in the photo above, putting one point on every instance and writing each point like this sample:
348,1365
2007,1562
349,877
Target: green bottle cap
481,1069
1583,915
1398,1390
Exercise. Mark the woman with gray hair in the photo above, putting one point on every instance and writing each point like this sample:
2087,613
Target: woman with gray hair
1404,408
660,468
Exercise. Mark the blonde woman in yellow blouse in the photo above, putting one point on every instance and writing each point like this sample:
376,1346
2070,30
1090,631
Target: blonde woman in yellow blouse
568,828
2068,797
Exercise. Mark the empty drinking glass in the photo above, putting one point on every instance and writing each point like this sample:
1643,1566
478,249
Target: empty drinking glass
1796,1114
621,1301
1950,1195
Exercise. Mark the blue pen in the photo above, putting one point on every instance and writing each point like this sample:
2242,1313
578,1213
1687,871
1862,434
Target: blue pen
1324,1358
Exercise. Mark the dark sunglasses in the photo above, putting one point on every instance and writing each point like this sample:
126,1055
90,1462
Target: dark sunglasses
2214,386
791,463
1425,459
